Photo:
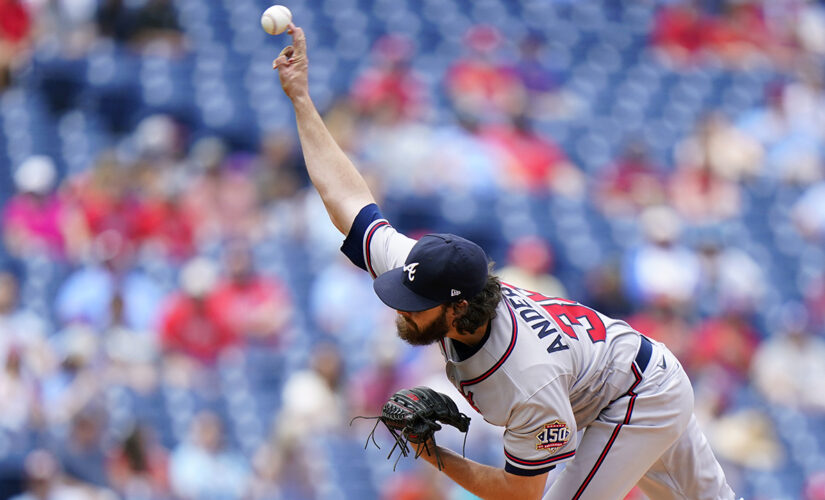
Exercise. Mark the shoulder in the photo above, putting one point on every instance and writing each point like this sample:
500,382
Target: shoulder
373,244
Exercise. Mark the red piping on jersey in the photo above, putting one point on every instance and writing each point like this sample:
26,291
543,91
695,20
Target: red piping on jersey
368,241
546,461
615,433
465,383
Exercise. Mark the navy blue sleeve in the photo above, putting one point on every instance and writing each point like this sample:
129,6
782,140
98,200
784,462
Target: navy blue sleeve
353,246
526,472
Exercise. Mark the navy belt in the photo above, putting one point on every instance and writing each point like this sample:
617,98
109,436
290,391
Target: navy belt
643,356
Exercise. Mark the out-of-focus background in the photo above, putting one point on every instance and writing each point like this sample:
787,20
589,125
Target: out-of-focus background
176,320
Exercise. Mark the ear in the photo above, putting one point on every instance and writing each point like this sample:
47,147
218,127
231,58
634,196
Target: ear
458,309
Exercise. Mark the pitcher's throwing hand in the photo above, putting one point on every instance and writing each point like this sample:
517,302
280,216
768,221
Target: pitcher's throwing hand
292,66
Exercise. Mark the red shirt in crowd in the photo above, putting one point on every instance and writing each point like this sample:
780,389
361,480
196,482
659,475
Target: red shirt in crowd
14,21
532,160
254,307
193,327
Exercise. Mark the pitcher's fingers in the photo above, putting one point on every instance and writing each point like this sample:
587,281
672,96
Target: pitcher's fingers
283,57
299,41
279,61
287,51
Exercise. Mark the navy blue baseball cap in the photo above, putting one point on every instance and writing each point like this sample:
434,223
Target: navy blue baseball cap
440,268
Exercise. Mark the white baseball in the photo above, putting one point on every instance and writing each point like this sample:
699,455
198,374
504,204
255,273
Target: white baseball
275,19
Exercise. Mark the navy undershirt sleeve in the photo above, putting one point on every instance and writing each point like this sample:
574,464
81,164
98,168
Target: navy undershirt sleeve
353,246
526,472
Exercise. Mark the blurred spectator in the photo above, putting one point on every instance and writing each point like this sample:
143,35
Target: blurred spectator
138,467
281,172
190,325
131,354
138,201
82,453
546,98
459,161
418,484
747,438
87,294
44,481
285,467
156,26
313,399
389,91
115,20
632,183
19,389
678,31
703,189
343,306
250,305
37,220
345,124
738,35
661,269
726,151
76,383
22,331
372,385
69,23
151,25
204,467
221,200
479,84
719,354
397,156
41,477
666,323
532,162
15,30
730,279
160,223
814,293
808,213
157,176
814,488
793,145
530,264
606,292
787,368
808,27
110,197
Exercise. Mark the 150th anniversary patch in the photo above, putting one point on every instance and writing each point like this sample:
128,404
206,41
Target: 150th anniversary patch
553,436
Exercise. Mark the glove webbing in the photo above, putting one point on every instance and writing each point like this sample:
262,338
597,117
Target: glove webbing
402,443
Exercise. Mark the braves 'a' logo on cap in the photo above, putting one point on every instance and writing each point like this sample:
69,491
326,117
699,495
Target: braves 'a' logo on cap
410,268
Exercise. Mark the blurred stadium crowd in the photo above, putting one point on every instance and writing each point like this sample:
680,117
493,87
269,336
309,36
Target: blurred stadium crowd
176,320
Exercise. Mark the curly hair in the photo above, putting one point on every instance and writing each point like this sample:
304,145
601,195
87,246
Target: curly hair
482,307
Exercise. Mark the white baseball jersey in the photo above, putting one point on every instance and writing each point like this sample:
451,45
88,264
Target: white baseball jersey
549,367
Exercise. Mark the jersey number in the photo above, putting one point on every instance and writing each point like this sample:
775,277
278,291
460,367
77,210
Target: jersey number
569,314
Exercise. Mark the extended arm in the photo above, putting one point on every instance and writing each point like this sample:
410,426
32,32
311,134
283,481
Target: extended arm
341,186
487,482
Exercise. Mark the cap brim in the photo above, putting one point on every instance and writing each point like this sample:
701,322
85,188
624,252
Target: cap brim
391,290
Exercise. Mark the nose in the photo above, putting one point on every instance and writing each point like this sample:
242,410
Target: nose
404,314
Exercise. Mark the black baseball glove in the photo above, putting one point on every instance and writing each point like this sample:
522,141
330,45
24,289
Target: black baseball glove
413,416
